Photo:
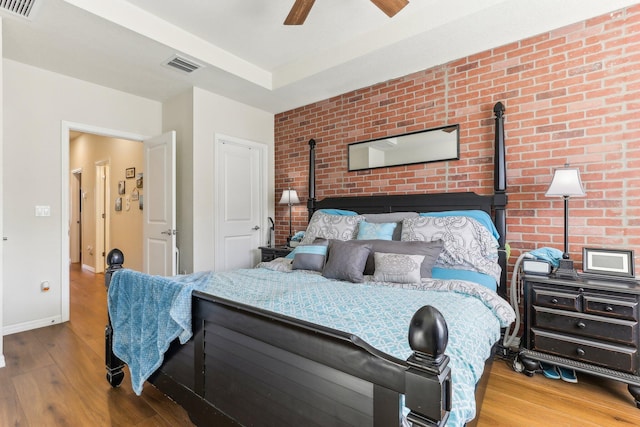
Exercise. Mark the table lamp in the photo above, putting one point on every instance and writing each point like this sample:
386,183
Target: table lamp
566,183
289,197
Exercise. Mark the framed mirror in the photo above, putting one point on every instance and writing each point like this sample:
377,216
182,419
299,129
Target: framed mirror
425,146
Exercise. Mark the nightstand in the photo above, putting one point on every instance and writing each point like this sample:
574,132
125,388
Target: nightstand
589,325
271,253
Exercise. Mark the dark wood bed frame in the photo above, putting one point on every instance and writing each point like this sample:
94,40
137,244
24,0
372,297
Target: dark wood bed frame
247,366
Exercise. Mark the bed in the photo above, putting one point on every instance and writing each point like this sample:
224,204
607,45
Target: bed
264,361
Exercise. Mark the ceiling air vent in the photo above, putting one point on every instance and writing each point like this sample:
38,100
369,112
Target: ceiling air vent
22,8
182,64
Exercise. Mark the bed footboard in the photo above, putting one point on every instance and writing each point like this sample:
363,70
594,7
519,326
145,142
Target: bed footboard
254,367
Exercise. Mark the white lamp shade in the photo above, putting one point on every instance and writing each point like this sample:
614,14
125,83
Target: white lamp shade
565,182
289,197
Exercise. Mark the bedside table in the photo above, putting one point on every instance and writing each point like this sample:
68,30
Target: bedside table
271,253
590,325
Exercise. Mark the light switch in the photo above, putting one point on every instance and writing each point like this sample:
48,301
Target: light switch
43,210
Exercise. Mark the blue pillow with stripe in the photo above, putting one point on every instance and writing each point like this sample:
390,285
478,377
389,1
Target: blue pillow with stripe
311,256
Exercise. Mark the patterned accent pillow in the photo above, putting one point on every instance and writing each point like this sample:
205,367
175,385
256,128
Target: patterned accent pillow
370,231
397,268
325,226
467,243
346,260
310,257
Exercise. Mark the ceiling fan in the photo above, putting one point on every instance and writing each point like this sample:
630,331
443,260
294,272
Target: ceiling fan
301,9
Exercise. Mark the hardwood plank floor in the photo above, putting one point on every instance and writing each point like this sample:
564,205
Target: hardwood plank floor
55,376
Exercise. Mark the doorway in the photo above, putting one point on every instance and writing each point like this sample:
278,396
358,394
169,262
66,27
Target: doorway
80,197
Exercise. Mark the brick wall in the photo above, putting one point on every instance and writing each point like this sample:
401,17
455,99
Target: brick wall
572,96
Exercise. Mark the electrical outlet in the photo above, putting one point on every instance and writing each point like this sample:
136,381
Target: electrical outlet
44,286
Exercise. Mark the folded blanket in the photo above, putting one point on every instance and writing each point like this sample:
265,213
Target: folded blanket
147,313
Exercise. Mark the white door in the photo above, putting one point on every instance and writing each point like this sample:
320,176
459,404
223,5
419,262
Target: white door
75,197
240,202
159,207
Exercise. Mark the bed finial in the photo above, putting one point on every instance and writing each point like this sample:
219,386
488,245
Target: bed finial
428,334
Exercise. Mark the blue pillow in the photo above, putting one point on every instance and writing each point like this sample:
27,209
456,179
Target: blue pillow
339,212
371,231
481,216
468,275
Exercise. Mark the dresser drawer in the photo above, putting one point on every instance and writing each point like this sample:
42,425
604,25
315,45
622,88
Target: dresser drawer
554,298
608,355
618,307
596,327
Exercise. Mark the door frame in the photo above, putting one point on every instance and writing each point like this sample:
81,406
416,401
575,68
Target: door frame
65,128
263,149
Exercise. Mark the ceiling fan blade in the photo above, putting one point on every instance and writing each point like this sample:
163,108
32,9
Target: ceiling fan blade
299,12
390,7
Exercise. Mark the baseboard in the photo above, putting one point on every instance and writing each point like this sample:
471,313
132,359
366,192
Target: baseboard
34,324
88,268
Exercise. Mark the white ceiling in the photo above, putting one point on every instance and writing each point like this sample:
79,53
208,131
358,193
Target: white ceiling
250,56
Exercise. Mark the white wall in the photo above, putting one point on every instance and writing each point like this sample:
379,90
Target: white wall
2,362
214,114
35,103
177,115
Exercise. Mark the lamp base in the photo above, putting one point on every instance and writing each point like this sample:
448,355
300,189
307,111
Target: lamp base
565,270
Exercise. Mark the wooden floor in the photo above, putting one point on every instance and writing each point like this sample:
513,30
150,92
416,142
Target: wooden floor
55,377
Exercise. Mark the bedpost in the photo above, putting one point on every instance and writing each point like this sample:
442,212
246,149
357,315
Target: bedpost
114,365
311,201
429,374
500,193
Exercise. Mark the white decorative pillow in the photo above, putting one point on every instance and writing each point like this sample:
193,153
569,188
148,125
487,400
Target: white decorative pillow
397,268
467,243
326,226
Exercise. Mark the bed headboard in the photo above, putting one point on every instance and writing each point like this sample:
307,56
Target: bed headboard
494,204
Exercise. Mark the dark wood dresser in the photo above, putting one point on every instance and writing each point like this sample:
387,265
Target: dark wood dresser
589,325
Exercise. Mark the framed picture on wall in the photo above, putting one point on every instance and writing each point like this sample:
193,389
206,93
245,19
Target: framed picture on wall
139,181
130,173
121,187
118,204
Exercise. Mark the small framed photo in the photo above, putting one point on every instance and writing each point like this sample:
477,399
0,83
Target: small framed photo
139,181
118,204
130,173
608,262
121,187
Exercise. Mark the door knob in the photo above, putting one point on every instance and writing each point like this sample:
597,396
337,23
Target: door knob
257,227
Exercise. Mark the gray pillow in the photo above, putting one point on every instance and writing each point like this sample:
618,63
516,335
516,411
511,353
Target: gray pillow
430,250
310,257
346,260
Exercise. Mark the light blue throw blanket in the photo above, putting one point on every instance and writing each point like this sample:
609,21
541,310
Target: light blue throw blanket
147,313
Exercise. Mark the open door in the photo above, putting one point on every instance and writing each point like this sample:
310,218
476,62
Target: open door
159,206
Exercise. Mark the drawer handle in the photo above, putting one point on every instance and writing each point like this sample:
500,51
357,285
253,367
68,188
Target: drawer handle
580,351
581,325
608,308
554,301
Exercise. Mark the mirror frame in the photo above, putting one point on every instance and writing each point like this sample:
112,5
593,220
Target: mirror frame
400,137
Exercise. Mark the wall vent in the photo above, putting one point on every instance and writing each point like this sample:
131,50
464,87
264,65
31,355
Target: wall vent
182,64
21,8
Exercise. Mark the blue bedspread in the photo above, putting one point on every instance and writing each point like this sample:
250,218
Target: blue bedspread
147,313
474,315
